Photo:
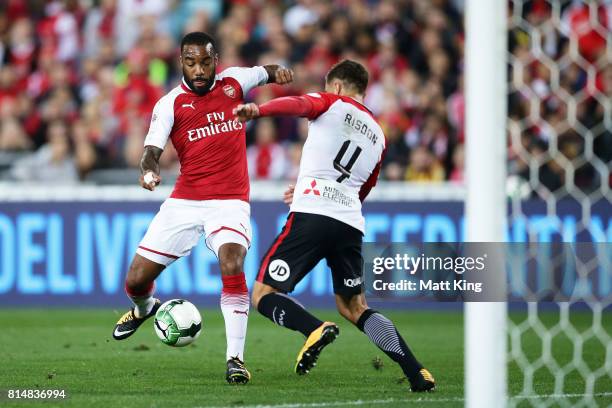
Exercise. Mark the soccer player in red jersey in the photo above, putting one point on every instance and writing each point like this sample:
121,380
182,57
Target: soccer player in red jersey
211,195
339,166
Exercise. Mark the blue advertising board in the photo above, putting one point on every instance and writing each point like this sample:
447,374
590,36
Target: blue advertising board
77,253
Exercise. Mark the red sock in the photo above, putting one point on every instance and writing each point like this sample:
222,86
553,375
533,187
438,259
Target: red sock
145,292
235,284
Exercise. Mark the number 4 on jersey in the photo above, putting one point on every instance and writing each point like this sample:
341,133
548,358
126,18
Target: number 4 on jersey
345,171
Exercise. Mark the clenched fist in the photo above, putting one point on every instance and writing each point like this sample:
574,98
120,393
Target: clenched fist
247,111
283,76
149,180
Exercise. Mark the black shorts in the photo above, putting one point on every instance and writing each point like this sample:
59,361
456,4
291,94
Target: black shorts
303,242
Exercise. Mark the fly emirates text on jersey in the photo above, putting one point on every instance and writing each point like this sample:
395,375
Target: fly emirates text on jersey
216,124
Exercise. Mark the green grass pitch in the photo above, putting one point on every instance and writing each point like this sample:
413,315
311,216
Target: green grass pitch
73,350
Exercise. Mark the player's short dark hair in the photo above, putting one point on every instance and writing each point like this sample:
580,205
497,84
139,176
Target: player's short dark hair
350,72
198,38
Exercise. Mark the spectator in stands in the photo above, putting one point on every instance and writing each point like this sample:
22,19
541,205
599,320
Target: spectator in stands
551,174
424,167
13,136
266,158
457,173
21,50
102,65
294,155
85,155
397,151
53,163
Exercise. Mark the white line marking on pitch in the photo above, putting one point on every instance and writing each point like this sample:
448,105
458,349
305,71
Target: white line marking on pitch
391,401
559,396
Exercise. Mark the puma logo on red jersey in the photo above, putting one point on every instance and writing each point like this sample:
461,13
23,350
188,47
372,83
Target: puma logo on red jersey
188,105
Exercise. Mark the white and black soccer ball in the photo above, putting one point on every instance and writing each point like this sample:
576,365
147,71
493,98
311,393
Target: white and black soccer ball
177,323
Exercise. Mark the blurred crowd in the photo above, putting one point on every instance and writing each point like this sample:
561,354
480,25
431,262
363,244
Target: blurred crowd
79,78
560,96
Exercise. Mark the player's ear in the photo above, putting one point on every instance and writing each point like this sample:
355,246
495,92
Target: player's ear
338,88
216,58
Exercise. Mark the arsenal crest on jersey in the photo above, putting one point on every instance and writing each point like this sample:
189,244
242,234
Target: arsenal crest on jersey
229,91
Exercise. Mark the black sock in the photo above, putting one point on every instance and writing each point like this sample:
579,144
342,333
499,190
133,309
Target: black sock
286,312
383,333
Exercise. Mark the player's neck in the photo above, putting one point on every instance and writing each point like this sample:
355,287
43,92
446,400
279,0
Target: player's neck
356,97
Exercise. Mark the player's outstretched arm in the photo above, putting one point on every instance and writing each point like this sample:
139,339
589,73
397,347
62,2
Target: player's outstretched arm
302,106
149,167
278,74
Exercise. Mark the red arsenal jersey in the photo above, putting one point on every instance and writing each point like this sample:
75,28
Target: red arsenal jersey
211,145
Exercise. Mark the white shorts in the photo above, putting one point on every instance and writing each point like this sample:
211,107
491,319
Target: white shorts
179,224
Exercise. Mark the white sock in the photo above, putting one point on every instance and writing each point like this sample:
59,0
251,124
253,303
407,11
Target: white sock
235,308
143,305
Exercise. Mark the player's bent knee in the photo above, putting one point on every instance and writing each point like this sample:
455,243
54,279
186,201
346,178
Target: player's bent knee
231,259
231,265
231,262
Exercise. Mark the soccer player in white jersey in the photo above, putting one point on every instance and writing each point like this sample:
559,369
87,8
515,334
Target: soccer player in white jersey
211,195
339,166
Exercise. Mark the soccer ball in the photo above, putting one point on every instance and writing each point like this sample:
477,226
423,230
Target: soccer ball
177,323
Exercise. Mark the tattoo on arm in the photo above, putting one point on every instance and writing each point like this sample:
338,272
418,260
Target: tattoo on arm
150,160
271,70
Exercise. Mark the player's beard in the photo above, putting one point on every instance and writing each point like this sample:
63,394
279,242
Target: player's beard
201,90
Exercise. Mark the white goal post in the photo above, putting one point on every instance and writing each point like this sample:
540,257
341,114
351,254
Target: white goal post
485,205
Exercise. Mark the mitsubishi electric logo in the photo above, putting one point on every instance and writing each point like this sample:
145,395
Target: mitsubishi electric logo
312,189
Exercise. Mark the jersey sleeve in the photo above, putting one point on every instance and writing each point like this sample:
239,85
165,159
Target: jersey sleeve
309,106
248,78
161,123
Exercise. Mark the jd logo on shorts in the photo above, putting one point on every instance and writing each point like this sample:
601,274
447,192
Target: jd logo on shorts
279,270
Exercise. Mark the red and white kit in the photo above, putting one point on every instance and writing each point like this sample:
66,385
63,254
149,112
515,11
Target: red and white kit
338,168
211,194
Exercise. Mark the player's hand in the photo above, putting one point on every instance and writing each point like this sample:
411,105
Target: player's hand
246,111
283,76
149,180
288,196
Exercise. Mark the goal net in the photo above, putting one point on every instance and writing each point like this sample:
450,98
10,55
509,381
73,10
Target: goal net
560,156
